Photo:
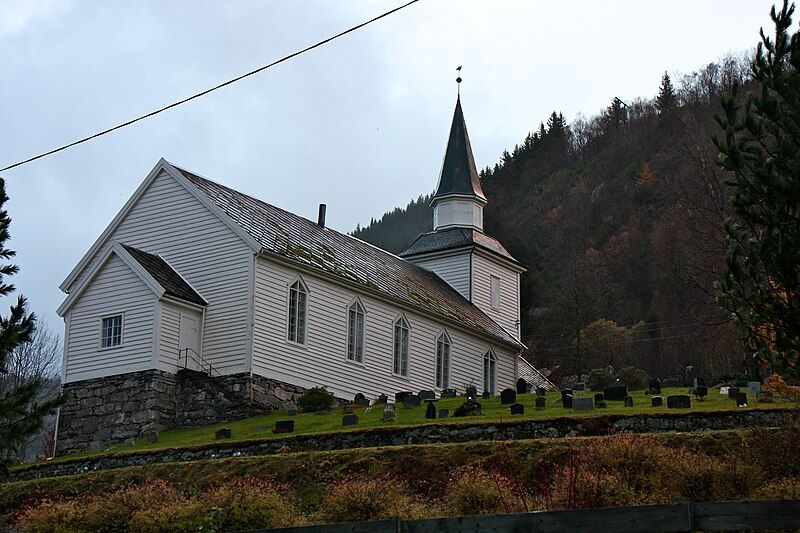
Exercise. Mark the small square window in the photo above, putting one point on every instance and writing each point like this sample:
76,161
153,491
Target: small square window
111,332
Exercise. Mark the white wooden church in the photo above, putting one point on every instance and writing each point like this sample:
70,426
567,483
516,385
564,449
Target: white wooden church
192,274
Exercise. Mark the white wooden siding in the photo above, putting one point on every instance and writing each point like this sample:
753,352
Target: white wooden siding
172,222
169,333
115,290
453,269
483,269
324,360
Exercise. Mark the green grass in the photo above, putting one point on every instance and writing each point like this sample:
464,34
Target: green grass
260,427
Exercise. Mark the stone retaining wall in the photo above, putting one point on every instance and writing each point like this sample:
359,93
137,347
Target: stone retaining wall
426,434
111,409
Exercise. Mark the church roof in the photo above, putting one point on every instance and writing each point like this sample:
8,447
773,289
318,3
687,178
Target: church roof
298,239
435,241
459,175
172,282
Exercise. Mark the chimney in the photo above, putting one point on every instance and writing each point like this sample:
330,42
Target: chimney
321,217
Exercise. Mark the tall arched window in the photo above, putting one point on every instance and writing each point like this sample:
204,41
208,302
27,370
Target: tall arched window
489,371
443,361
401,347
298,312
355,333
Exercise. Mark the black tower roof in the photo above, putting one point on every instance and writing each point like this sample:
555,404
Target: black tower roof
458,176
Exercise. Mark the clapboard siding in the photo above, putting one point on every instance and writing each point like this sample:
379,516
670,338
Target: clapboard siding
453,269
169,335
115,290
323,361
170,221
508,314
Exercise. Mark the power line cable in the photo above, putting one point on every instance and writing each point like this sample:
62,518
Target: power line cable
212,89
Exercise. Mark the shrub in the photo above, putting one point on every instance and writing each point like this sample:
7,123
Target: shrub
359,500
599,379
475,491
633,378
316,399
775,452
779,489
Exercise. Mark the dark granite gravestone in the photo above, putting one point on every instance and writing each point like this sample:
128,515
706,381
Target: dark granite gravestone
522,386
656,401
291,412
284,426
412,400
430,411
701,382
486,395
360,400
152,436
382,399
583,404
688,377
508,396
448,393
541,402
443,413
94,446
581,385
398,396
468,408
566,398
679,401
599,397
541,391
741,399
732,392
654,386
628,401
701,391
471,391
517,409
223,433
347,407
427,395
616,393
349,420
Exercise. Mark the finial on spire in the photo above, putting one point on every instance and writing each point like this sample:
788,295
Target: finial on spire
458,80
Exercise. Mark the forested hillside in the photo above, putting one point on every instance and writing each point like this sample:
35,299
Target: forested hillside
618,218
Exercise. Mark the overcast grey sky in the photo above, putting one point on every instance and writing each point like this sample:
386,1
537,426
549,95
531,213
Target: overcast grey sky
360,124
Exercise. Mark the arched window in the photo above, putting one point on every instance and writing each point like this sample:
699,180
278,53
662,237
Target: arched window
298,312
401,347
355,333
489,371
443,361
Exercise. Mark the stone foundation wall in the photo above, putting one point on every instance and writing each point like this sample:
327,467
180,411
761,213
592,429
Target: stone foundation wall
111,409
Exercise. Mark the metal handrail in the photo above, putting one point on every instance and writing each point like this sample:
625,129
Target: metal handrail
199,361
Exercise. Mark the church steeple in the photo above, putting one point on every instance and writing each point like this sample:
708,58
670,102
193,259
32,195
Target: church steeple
459,199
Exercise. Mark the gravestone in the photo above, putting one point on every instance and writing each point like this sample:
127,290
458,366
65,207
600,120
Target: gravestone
679,401
581,385
765,394
688,376
657,401
427,395
130,442
94,446
628,401
732,392
754,387
382,399
615,393
522,386
223,433
412,400
486,395
430,411
701,382
566,398
701,392
284,426
724,390
654,386
360,400
347,407
541,391
599,397
448,393
517,409
471,391
152,436
541,402
582,404
291,412
389,414
508,396
741,399
443,413
398,396
468,408
349,420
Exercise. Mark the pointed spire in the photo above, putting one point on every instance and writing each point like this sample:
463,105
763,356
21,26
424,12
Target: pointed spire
459,175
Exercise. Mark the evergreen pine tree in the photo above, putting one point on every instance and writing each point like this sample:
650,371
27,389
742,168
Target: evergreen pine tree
20,415
666,98
760,285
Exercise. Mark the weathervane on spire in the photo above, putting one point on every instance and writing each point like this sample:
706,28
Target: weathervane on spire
458,79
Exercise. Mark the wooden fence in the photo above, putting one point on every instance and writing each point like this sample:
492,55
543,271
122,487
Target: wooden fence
679,516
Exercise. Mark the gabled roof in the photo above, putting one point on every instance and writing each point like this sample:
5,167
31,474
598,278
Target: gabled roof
440,240
300,240
154,272
459,176
172,282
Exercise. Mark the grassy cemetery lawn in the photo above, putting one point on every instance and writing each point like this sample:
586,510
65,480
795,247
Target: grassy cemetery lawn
309,423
